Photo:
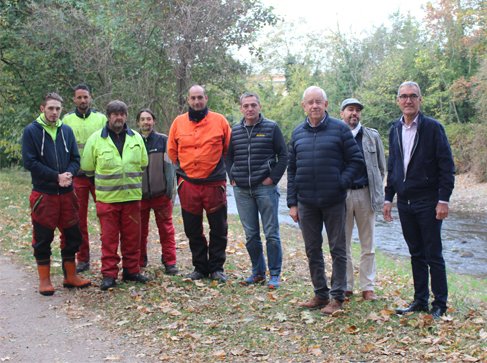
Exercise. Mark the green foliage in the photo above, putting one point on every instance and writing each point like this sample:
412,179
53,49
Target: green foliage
144,53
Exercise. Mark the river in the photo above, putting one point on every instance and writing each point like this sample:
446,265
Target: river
464,237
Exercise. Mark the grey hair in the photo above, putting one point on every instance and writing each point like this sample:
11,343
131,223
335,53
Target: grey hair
409,84
249,94
117,107
314,88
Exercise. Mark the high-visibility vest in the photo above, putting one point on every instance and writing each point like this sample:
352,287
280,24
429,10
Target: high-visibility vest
117,178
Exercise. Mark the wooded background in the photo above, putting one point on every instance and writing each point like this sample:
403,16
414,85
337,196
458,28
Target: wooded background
147,53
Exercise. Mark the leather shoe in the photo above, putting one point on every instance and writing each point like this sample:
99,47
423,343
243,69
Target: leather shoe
315,303
107,283
437,312
348,293
82,267
414,306
332,307
369,295
137,277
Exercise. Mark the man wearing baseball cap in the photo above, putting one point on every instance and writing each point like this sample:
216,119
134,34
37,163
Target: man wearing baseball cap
365,197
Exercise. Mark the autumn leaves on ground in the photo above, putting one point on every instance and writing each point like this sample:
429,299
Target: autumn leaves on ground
175,319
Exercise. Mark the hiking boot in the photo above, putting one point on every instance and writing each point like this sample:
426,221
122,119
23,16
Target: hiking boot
82,266
315,303
218,276
136,277
254,279
196,275
171,270
333,306
274,283
107,283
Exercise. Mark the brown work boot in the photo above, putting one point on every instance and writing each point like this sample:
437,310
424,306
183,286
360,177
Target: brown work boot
71,279
369,295
45,285
333,306
315,303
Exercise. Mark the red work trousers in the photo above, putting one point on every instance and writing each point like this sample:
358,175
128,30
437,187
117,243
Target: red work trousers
120,224
162,207
83,187
51,211
208,256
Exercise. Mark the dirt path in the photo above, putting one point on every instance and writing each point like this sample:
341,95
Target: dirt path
35,328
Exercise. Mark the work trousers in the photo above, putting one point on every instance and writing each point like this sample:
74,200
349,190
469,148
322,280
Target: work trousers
120,225
162,207
51,211
207,256
83,187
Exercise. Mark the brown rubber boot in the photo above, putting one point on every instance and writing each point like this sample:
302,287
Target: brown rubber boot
45,285
71,279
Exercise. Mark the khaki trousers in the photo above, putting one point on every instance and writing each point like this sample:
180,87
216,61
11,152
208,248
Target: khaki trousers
359,212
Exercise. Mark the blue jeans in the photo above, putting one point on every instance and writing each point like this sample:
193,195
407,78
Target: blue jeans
263,200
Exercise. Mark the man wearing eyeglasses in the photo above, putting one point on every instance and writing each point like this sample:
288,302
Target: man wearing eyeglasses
197,143
421,173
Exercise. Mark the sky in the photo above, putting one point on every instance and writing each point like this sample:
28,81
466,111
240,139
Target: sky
352,16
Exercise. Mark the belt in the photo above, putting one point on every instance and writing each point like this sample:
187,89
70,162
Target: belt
355,187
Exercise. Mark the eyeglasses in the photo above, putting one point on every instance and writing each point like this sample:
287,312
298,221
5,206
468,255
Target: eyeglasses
404,98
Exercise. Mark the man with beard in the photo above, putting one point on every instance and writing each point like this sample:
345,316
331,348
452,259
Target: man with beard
84,121
116,155
158,184
198,141
49,152
364,198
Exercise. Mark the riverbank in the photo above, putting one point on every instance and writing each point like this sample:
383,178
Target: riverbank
469,195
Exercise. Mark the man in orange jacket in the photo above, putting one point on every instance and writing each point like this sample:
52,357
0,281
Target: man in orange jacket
198,140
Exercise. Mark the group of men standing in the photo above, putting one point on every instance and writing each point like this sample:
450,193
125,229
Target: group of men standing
335,172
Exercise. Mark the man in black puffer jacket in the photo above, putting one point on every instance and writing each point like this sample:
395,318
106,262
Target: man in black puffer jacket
323,161
256,160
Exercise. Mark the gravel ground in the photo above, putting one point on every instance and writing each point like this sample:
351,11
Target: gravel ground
36,328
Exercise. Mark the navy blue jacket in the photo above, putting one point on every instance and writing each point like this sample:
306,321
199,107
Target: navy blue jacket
430,173
323,161
46,159
255,153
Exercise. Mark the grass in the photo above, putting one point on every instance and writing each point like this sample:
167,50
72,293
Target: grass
173,318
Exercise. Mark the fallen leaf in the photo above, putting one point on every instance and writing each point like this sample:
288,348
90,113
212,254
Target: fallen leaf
352,329
220,354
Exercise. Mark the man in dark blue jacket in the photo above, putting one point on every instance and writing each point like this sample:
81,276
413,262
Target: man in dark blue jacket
323,161
256,161
50,153
421,172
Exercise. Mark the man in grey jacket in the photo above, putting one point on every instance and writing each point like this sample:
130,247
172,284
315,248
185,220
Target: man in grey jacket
364,198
